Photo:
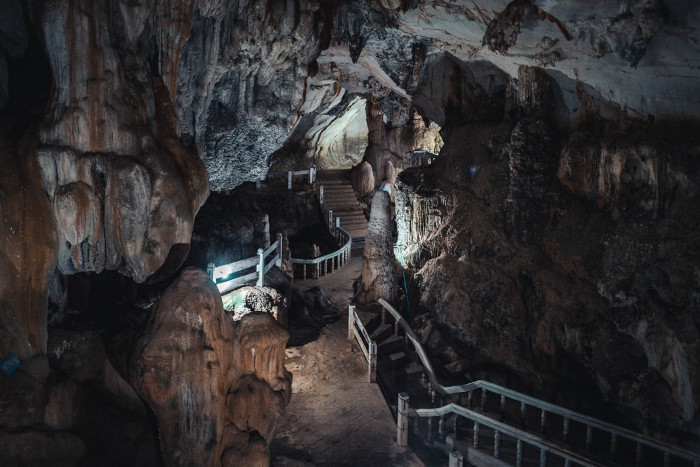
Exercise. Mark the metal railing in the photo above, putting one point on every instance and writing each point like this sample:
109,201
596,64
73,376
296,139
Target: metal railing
331,262
262,262
545,447
568,416
290,174
369,348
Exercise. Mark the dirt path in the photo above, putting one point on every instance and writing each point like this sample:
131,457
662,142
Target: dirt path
335,416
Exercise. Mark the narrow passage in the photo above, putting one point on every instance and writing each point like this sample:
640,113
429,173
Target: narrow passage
335,416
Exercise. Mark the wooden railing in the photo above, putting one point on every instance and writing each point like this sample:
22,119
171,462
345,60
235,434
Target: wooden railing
669,453
262,263
311,172
369,348
331,262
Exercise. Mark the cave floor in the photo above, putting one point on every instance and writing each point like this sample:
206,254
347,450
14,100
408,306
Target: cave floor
335,416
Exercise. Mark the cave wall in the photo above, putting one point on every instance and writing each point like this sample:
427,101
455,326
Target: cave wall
562,259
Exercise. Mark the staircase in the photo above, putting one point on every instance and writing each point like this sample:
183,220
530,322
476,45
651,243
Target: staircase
490,425
339,197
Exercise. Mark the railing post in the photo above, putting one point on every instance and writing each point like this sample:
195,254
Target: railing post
337,222
518,453
320,195
257,184
613,446
312,174
351,320
402,420
372,364
279,250
566,428
543,420
289,180
476,435
589,436
543,458
261,268
330,220
497,444
210,270
456,459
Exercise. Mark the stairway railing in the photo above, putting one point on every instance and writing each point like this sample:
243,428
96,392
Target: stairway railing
500,429
614,432
331,262
261,263
290,174
368,347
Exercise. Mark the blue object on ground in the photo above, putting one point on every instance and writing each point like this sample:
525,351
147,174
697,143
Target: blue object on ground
473,170
10,364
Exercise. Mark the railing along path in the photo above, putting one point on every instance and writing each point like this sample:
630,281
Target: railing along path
330,262
642,442
262,262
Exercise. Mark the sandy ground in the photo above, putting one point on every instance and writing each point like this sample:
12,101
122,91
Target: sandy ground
335,416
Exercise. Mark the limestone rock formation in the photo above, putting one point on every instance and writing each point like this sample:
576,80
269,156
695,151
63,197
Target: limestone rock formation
246,300
378,278
216,387
544,252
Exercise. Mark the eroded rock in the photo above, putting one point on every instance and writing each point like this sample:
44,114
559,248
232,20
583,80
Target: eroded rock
216,387
378,278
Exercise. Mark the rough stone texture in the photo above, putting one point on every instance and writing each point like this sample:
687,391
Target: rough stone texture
241,83
338,141
378,278
245,300
216,387
560,250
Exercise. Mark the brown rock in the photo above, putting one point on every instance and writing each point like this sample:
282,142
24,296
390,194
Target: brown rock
216,387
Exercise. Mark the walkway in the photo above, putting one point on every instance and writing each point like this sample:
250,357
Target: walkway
335,416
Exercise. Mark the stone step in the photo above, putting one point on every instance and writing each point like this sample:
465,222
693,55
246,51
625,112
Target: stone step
344,197
355,234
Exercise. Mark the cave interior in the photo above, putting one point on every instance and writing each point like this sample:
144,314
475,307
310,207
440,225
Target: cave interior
521,180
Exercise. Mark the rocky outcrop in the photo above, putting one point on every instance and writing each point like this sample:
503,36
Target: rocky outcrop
216,387
378,278
124,189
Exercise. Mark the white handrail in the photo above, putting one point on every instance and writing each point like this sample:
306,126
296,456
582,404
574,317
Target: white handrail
543,444
339,256
258,261
613,430
368,347
311,172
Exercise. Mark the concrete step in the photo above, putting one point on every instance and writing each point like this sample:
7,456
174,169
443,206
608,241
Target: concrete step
382,333
390,345
397,358
355,234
